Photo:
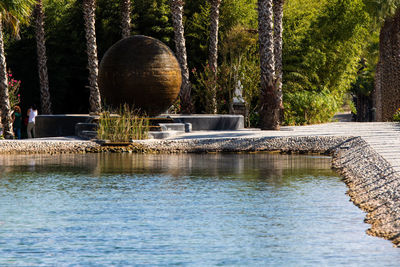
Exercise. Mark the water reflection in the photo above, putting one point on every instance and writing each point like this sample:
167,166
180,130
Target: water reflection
44,163
99,173
196,209
256,165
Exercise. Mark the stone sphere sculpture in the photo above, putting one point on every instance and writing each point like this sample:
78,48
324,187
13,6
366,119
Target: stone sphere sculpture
142,72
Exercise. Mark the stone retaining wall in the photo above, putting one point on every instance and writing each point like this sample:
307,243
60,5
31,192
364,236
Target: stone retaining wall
373,185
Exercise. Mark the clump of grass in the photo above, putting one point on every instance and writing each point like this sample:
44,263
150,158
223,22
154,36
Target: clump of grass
122,126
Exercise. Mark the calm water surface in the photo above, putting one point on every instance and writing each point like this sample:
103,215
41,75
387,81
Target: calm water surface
190,210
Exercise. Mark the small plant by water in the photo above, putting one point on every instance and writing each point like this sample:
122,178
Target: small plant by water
122,126
396,116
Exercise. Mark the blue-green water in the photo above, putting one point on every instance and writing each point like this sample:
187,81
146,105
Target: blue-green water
189,210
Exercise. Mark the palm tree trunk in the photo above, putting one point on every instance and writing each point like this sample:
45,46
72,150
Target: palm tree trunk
213,48
6,120
89,9
269,98
180,46
387,78
278,30
125,6
42,60
377,97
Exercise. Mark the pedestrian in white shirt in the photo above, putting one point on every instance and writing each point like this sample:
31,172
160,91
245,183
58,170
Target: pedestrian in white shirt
32,113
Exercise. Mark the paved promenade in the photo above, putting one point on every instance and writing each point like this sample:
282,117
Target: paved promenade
383,137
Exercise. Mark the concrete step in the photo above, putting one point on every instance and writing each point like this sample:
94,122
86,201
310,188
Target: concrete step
82,126
88,134
172,127
86,130
162,135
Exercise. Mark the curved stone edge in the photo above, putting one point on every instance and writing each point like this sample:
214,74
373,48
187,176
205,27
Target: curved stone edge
373,184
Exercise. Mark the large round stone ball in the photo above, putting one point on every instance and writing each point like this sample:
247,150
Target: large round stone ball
142,72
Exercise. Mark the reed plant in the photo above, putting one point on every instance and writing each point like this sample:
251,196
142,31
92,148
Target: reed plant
122,126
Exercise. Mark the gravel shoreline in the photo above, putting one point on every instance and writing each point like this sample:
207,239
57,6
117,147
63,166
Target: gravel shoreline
45,146
373,184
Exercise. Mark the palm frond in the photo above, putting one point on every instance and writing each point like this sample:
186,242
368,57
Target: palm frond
15,12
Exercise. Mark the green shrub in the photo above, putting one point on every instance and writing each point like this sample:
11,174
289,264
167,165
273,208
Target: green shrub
309,107
13,90
203,89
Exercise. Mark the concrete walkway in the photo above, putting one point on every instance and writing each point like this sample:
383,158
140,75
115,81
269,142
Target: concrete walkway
383,137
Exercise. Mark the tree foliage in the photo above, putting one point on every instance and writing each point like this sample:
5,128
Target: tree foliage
12,14
153,19
324,42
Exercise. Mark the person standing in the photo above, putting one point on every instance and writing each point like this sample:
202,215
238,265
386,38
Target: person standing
17,121
32,113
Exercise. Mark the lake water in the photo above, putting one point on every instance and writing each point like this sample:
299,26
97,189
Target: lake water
188,210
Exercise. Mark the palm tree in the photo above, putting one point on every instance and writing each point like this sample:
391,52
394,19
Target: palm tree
12,13
125,6
377,92
42,59
387,82
278,29
89,9
180,46
213,48
269,98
